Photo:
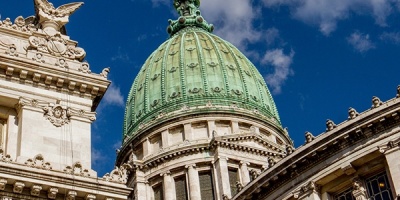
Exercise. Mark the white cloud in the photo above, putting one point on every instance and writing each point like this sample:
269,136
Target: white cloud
113,96
326,13
97,156
121,56
361,42
393,37
281,68
234,20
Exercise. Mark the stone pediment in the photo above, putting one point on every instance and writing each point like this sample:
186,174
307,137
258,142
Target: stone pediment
252,143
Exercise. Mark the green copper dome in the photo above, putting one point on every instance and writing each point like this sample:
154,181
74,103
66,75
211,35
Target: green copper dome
195,72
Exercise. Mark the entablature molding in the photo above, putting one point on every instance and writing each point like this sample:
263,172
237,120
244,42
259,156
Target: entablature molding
55,78
56,113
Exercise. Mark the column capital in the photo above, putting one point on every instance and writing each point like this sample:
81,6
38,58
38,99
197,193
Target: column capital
244,163
166,173
190,166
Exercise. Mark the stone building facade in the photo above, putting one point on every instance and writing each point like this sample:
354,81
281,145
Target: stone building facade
200,123
48,98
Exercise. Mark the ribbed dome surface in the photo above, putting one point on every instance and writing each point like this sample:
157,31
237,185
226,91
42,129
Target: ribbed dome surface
193,70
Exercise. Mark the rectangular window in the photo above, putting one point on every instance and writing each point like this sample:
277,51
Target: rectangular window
233,178
158,192
206,185
345,195
378,187
180,188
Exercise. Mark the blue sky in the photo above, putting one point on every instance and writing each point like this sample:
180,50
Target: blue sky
319,57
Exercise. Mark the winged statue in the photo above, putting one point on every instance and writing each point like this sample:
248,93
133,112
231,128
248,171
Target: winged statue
60,12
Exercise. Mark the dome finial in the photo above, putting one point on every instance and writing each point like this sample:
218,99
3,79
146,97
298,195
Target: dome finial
187,7
190,16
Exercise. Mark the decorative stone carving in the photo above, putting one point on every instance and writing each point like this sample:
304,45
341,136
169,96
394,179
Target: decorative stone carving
52,193
309,188
84,68
309,137
4,158
38,162
359,191
271,162
398,91
239,186
18,187
353,113
119,174
77,169
225,197
57,114
376,102
289,149
90,197
71,195
254,174
330,125
390,145
35,190
3,183
105,72
61,63
20,24
81,113
56,45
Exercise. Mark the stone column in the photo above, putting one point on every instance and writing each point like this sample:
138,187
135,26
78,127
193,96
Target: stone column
141,185
194,182
392,154
221,165
188,131
168,186
244,172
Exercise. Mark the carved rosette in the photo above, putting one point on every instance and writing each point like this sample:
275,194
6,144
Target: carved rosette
57,115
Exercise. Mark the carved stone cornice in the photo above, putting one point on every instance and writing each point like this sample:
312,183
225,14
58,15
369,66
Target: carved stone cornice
369,126
52,193
390,146
71,195
3,183
53,76
35,190
18,187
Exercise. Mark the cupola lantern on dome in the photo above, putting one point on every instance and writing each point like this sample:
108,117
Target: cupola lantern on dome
190,16
196,73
